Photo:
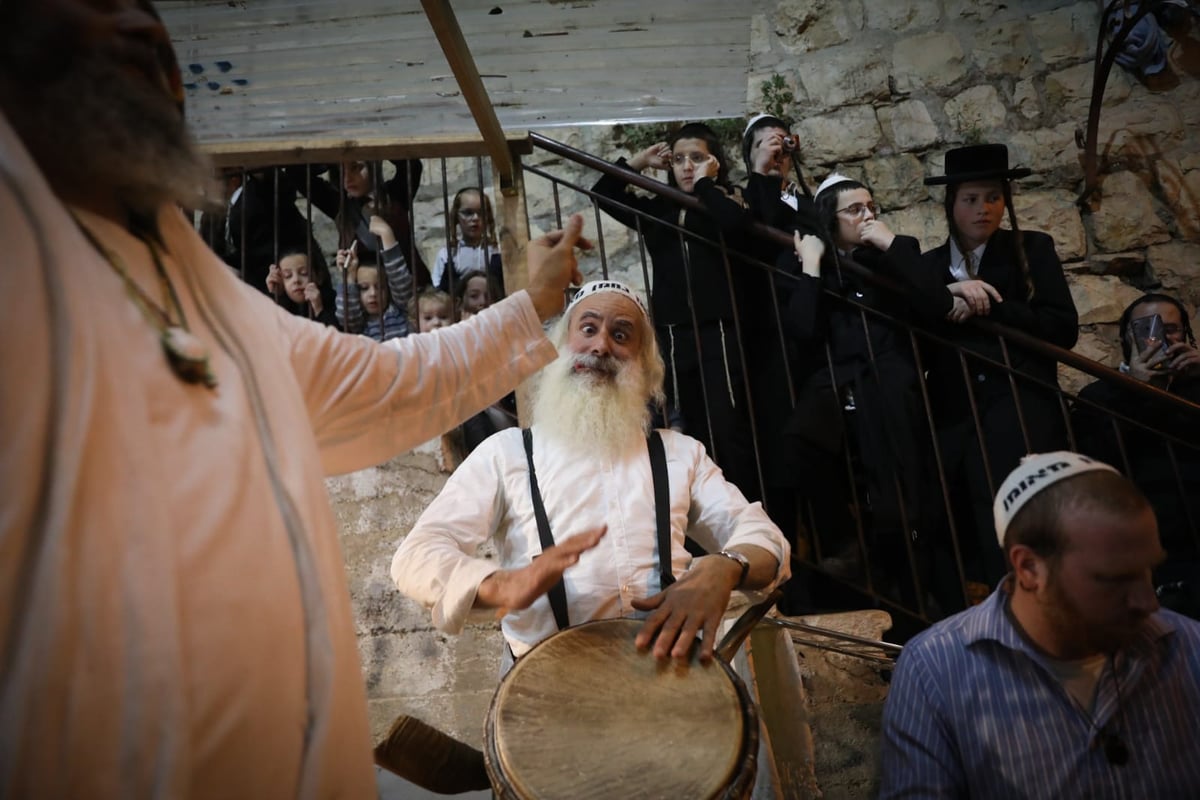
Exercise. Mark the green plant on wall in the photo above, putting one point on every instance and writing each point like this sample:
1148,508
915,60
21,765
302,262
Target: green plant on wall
777,97
970,125
637,137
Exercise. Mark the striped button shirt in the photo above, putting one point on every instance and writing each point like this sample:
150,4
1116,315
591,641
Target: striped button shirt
975,711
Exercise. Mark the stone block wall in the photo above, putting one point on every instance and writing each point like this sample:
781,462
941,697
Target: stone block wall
409,667
884,89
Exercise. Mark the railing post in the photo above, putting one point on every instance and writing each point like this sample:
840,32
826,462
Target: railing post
513,233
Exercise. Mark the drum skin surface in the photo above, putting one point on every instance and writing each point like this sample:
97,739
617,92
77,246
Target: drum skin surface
584,714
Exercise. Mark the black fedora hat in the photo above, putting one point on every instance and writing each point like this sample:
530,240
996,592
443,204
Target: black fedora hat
978,162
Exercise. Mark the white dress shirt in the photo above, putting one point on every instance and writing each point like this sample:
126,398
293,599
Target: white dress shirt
467,258
958,264
488,497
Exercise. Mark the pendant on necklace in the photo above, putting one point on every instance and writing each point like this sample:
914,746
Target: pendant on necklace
187,356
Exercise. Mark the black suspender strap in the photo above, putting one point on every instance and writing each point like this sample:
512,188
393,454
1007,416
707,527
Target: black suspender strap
662,507
558,592
662,513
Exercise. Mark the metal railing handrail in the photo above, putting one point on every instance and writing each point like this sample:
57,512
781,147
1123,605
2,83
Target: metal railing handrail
1025,340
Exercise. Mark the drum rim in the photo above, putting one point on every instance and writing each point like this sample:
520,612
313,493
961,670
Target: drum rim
741,781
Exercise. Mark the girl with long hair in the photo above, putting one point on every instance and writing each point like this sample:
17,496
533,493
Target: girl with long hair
471,243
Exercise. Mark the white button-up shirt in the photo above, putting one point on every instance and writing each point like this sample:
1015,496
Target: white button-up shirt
958,263
488,497
467,258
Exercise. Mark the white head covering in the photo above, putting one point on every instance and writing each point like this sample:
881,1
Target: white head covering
1036,472
774,120
833,179
595,287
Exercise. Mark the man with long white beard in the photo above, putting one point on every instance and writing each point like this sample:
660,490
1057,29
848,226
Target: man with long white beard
593,465
174,619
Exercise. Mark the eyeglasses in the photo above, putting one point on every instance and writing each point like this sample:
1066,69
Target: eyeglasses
857,209
468,213
679,159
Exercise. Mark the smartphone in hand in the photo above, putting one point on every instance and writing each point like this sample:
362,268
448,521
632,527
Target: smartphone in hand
1148,333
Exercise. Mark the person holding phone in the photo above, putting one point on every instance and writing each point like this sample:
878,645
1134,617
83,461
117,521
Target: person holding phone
1157,341
1169,361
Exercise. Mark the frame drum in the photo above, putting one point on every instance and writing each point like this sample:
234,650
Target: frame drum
584,714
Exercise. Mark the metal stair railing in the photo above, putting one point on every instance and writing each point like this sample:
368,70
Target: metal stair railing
1181,447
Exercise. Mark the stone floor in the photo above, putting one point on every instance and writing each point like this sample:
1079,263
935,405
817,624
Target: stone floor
393,787
845,697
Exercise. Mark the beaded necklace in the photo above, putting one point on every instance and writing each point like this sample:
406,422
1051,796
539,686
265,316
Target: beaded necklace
186,354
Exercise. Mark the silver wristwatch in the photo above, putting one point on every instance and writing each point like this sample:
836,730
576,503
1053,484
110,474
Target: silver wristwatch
741,560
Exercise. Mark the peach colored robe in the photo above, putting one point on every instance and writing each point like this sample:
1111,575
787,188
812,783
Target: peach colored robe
174,617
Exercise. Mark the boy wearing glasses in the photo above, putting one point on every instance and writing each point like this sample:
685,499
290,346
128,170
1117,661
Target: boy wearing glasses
858,385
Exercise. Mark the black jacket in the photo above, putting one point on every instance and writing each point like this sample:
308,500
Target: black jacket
1050,316
705,273
813,318
398,194
263,224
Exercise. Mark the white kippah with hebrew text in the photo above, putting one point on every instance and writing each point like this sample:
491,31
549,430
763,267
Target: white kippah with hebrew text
595,287
1036,472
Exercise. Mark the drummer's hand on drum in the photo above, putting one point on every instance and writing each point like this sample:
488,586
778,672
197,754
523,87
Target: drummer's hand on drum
693,604
516,589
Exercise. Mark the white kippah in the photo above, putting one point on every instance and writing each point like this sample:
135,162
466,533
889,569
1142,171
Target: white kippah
1036,472
834,179
758,117
595,287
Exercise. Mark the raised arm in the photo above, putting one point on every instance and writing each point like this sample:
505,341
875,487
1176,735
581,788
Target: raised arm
728,209
402,187
368,402
928,296
803,319
613,188
763,198
321,192
348,303
395,267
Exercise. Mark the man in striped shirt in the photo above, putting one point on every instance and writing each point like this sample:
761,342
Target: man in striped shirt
1068,681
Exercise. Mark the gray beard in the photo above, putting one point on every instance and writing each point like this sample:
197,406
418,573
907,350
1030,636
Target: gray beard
95,125
592,414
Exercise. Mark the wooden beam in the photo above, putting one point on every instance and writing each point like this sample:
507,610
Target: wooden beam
462,64
328,150
513,232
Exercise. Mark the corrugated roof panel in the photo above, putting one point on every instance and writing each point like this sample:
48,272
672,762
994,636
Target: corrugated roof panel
284,71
